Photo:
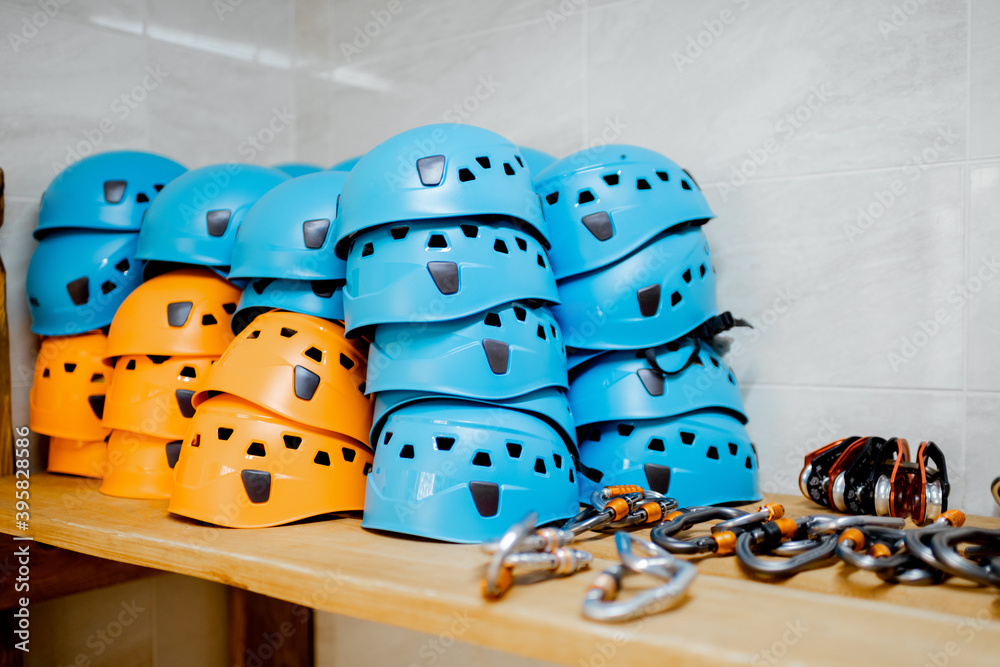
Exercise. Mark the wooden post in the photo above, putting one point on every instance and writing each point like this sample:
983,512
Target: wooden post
6,425
265,632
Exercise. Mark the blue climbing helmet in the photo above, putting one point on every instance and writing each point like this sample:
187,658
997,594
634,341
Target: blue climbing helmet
195,218
603,203
432,270
505,352
699,458
550,404
535,160
319,298
296,169
288,233
439,171
346,165
464,472
108,191
655,383
653,296
77,280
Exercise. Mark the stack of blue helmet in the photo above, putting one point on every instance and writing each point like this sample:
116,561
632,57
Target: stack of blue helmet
656,406
448,275
85,264
285,251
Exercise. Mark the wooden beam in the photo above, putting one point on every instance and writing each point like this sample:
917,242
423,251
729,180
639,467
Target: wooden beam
266,632
9,656
57,572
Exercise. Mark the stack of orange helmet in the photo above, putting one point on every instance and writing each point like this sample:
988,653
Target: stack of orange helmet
164,339
67,402
280,431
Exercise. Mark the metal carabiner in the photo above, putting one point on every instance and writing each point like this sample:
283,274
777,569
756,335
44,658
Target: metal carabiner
601,603
677,521
917,541
764,513
873,549
949,559
828,525
770,535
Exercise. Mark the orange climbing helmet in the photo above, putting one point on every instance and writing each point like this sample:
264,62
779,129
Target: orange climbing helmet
139,466
300,367
183,312
244,467
152,394
84,458
71,379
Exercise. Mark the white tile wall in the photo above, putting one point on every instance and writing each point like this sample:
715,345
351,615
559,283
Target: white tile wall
842,105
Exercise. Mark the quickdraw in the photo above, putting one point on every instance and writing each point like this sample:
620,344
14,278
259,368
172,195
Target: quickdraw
601,602
874,476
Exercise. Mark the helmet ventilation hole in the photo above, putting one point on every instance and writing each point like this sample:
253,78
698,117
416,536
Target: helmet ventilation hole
540,332
687,276
260,285
196,440
507,169
732,380
465,175
315,354
406,452
585,197
69,368
712,453
368,250
484,162
663,176
367,469
209,319
107,287
443,443
514,450
714,361
702,270
500,246
130,366
253,335
348,454
540,466
572,478
287,333
521,243
520,313
33,301
557,460
625,429
399,233
230,308
387,438
158,186
437,241
641,184
291,441
322,458
188,372
79,291
225,433
594,435
492,320
555,332
687,437
217,222
748,464
345,361
324,289
46,373
552,198
541,260
610,179
656,445
733,448
688,174
470,231
141,198
97,405
123,266
482,459
685,184
519,161
675,298
363,387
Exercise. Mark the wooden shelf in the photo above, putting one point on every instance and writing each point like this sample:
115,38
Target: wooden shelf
838,616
